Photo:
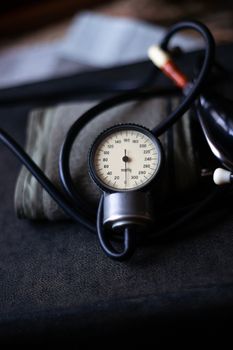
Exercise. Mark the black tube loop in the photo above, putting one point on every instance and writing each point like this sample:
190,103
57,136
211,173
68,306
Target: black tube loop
200,80
129,238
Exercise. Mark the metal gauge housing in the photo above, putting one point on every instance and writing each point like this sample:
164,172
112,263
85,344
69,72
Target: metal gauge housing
125,157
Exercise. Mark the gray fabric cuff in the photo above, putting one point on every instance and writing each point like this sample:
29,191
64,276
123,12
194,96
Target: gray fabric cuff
46,132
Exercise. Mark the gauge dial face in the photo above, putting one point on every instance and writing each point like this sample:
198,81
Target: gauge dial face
126,158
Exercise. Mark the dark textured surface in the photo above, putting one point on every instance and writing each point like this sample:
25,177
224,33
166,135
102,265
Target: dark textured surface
55,280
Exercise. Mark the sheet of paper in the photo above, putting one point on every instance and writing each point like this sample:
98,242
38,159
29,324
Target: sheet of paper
106,41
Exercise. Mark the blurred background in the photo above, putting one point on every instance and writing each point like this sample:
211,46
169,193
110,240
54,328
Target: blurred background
33,32
20,17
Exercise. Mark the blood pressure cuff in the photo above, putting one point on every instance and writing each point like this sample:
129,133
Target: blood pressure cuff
46,132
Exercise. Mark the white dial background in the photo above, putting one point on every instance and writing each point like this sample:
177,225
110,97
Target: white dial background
126,159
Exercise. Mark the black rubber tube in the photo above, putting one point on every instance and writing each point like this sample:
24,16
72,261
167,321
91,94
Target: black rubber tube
196,87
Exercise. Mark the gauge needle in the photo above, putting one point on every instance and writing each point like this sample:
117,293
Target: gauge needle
125,159
125,169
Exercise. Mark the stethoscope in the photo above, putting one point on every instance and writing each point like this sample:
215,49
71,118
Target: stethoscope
127,160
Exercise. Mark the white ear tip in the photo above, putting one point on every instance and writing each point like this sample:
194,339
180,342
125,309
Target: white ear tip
158,56
221,176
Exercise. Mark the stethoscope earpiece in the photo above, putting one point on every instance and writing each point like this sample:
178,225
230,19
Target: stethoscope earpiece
222,177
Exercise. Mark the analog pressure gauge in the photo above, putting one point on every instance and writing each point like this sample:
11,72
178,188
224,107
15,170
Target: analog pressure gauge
124,158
